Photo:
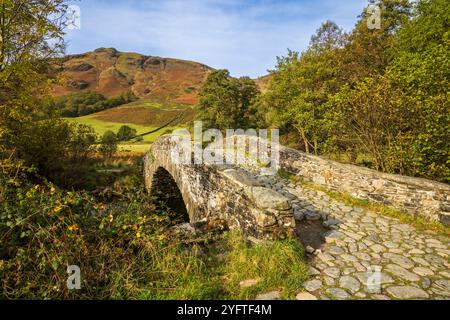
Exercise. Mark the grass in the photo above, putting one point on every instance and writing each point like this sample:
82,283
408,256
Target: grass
101,127
125,248
147,113
141,147
142,115
284,174
216,274
134,148
278,265
156,105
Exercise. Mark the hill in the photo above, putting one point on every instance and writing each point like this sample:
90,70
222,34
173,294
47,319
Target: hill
166,89
111,73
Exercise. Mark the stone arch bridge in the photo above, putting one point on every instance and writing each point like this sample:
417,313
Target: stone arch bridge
224,192
267,207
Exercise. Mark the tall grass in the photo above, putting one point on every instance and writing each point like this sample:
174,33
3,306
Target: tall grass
124,248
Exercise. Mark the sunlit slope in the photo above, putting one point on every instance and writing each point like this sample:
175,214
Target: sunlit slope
144,116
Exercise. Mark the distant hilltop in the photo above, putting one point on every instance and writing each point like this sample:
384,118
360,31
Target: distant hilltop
111,73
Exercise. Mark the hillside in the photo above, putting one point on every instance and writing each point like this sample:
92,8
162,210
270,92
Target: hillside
112,73
166,89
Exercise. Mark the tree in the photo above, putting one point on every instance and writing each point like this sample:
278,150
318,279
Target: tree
394,108
126,133
297,95
421,71
370,50
225,102
31,33
108,145
328,37
58,149
370,118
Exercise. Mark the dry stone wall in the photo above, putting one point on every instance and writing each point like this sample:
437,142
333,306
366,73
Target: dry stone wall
416,196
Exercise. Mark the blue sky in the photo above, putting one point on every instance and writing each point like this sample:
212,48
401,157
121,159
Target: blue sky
243,36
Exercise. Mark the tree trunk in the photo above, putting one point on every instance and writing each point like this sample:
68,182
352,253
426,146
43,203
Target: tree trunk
305,141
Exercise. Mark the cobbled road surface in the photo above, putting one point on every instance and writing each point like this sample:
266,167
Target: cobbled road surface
365,255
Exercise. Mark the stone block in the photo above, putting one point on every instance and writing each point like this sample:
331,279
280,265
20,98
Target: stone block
265,198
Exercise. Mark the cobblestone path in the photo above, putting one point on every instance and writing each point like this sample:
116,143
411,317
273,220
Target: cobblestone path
413,264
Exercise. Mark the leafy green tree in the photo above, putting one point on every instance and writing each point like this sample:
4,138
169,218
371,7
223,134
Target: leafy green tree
370,50
297,95
129,96
396,112
108,144
421,71
126,133
377,93
31,36
226,102
31,32
87,102
370,118
58,149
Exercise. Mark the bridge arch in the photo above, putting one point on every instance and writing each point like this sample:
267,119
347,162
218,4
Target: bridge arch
169,198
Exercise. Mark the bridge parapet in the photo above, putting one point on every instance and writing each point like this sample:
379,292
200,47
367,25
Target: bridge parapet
416,196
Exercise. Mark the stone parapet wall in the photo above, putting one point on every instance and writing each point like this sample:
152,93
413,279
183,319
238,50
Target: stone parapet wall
416,196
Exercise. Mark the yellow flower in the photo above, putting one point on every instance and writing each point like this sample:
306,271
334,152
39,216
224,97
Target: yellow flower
99,206
58,208
71,200
52,190
111,218
73,227
36,187
138,235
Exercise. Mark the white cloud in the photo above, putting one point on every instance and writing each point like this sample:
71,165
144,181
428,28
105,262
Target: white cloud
242,36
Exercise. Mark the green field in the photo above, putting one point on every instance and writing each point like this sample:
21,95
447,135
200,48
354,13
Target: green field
134,147
141,115
101,127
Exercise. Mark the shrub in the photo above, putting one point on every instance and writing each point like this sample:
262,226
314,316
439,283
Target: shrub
59,150
126,133
88,102
108,145
45,229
